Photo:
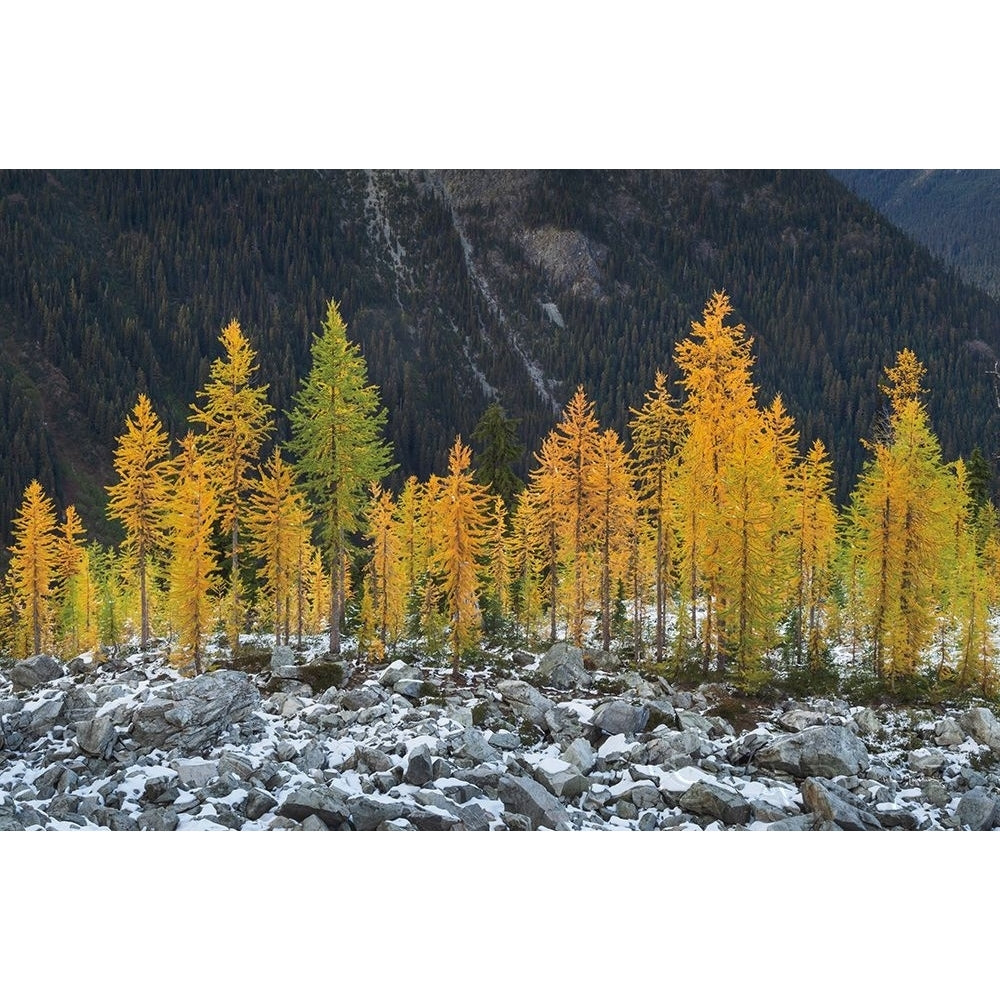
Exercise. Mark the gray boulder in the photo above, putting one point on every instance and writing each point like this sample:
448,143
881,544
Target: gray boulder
193,713
257,803
39,720
328,804
419,766
581,755
397,671
926,760
948,733
475,747
362,697
563,724
978,810
96,737
78,706
409,687
371,760
829,802
561,778
867,722
527,702
34,671
797,719
369,812
602,659
820,751
527,797
562,667
620,717
982,726
706,798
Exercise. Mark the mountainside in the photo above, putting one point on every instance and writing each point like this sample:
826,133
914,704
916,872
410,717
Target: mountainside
954,213
462,287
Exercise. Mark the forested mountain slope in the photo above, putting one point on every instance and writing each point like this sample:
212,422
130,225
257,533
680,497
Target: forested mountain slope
462,287
954,213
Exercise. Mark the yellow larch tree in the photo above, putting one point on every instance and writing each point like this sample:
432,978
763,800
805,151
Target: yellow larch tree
899,524
715,363
575,439
384,585
816,546
499,575
236,419
543,506
411,530
525,565
655,432
191,511
276,522
73,573
33,567
136,499
462,514
611,497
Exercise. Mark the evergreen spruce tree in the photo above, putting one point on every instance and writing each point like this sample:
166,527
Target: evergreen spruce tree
337,425
500,451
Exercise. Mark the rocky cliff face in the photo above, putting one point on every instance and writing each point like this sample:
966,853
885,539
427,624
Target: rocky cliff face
132,746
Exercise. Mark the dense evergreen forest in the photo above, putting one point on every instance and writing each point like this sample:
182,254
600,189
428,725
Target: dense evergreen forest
462,289
953,213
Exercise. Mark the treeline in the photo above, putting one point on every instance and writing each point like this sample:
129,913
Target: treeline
114,283
707,537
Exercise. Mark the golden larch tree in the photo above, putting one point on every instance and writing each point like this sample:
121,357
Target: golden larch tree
462,514
236,419
656,429
191,512
276,522
136,499
33,564
611,496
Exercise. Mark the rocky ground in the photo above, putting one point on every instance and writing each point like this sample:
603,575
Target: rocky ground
565,741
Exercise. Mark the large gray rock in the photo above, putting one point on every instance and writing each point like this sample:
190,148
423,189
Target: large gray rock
34,671
329,804
40,719
982,726
620,717
397,671
948,733
830,802
562,667
581,755
282,656
419,766
561,778
193,713
476,747
978,810
257,803
526,796
369,812
78,705
820,751
797,719
527,702
96,737
706,798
